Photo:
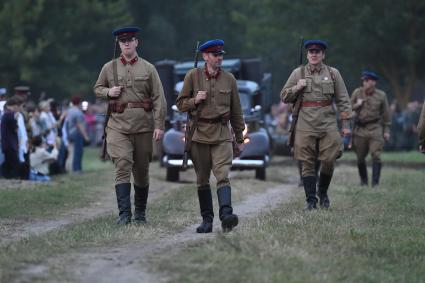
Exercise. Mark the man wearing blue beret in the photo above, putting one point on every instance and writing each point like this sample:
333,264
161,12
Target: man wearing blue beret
317,137
136,112
212,94
371,125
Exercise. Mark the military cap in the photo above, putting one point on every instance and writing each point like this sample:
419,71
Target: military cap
369,75
214,46
3,91
22,90
315,44
126,32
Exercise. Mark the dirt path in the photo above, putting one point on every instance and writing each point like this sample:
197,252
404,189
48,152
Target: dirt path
12,230
130,262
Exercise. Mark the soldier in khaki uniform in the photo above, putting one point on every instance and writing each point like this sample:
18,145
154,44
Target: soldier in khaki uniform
421,130
316,133
371,126
137,109
212,94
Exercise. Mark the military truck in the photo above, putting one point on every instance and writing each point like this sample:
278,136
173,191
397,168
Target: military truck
255,95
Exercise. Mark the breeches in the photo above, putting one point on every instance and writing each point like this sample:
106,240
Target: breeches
325,146
215,157
363,144
130,153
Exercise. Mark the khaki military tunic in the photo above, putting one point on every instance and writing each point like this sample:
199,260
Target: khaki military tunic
211,147
421,127
372,120
317,134
129,134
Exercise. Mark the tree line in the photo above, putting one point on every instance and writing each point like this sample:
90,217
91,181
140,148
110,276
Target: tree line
59,46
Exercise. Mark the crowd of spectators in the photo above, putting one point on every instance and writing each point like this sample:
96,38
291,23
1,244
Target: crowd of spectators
42,138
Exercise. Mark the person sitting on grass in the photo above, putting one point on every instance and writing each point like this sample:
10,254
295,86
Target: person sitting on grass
40,159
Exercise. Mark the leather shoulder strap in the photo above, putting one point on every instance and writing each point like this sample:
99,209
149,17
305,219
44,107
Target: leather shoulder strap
115,71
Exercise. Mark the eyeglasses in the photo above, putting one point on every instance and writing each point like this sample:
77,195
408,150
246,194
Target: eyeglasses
126,40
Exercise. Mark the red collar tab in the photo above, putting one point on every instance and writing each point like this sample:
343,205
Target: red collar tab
209,76
131,62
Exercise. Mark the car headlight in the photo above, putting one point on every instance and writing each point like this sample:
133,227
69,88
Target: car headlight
245,131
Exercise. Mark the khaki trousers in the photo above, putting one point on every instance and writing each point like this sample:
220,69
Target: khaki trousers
363,144
215,157
130,153
325,146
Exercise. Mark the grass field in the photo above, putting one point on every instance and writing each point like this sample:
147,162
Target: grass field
399,156
369,235
31,199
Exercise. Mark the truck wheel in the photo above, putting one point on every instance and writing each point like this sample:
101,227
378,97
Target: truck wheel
173,174
260,174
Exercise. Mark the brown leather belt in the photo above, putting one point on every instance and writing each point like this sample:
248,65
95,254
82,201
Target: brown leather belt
119,107
319,103
223,119
210,121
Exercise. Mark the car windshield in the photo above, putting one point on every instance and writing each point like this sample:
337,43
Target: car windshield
245,101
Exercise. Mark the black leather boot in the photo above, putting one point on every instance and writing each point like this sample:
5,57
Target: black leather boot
124,204
363,174
228,219
310,192
376,173
322,191
207,212
140,200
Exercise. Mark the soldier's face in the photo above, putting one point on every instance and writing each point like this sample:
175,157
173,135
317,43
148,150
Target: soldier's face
369,83
213,60
128,46
315,56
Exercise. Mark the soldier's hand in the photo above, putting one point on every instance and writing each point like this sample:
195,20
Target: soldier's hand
346,132
158,134
115,91
200,96
302,83
386,136
241,146
359,101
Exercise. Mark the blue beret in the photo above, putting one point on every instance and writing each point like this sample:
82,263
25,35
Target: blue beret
126,31
315,44
369,75
212,46
3,91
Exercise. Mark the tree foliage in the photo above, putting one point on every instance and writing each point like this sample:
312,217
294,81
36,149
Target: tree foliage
60,46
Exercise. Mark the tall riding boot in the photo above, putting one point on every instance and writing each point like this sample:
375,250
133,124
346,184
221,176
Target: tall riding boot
376,173
124,204
140,200
322,192
207,212
310,192
228,219
363,174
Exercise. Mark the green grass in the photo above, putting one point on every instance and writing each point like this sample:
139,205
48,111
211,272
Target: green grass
401,156
169,214
30,199
369,235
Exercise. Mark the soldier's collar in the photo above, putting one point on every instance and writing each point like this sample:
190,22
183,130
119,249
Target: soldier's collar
131,62
312,69
209,76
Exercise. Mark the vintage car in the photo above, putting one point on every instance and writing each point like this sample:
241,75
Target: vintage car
257,142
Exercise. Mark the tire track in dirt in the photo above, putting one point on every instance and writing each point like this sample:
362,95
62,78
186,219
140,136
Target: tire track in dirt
105,205
126,263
